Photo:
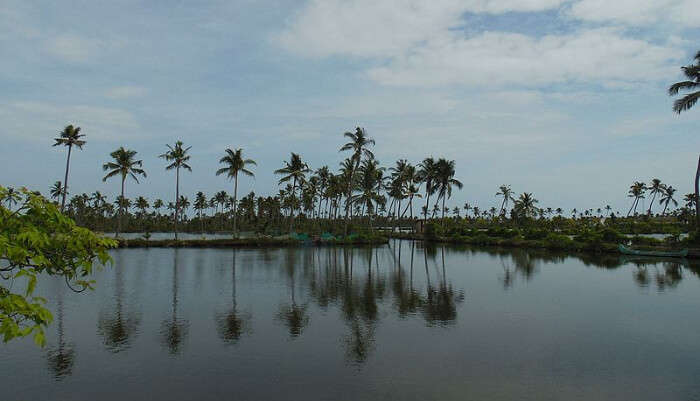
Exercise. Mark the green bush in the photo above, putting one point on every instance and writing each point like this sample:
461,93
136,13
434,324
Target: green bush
558,241
535,234
611,235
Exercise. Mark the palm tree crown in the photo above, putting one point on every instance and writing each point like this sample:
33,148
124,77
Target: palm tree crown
70,136
692,72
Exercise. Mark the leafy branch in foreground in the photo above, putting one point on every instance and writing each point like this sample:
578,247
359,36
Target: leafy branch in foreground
36,238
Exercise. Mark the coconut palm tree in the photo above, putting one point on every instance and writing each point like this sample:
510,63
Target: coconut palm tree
525,205
125,165
667,197
507,194
427,174
358,145
637,192
369,185
177,154
654,188
70,136
295,170
200,204
692,73
235,163
444,180
157,205
56,190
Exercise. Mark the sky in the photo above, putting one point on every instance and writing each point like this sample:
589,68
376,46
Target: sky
562,98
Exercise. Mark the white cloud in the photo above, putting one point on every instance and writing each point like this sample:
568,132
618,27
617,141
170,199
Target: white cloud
368,28
73,48
414,43
496,58
127,91
638,12
42,121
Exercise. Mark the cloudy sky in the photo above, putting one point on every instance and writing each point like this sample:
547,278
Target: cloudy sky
562,98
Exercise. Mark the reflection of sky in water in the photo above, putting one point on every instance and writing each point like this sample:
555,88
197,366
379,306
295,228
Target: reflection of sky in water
334,323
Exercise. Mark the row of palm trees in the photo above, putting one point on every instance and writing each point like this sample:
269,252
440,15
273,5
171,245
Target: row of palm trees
655,188
361,183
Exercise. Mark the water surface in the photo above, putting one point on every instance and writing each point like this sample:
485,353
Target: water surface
397,322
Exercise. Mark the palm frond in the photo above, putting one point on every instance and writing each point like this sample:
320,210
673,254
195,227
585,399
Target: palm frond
686,102
673,89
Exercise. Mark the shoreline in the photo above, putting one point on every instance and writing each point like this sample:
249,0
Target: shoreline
518,243
243,243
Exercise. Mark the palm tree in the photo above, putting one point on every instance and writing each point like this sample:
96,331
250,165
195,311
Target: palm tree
179,158
525,205
654,188
637,192
295,170
70,136
369,185
692,72
234,164
200,203
125,165
667,197
444,180
142,204
507,194
359,143
157,205
426,173
56,190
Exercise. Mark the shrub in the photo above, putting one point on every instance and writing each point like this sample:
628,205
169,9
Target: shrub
535,234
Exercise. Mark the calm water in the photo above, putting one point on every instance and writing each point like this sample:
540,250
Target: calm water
366,324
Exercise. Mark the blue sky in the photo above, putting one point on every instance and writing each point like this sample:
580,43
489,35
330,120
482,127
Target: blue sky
562,98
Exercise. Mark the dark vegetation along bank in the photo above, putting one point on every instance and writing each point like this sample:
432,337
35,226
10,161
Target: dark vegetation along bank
595,238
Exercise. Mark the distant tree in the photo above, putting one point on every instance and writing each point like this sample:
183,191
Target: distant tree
125,165
654,188
295,170
667,198
234,163
177,154
70,136
444,180
359,146
507,194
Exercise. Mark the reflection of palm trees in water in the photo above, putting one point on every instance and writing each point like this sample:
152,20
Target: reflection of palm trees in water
61,358
293,315
174,330
232,324
359,342
668,276
440,305
117,330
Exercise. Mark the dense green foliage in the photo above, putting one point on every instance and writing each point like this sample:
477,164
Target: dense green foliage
36,238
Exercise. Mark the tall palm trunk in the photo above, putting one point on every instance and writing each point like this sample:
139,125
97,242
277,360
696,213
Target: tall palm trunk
294,198
121,209
427,203
697,196
65,179
235,203
651,203
631,207
443,207
177,198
